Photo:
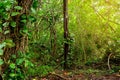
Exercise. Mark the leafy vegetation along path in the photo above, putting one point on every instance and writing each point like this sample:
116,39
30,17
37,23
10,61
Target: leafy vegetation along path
63,75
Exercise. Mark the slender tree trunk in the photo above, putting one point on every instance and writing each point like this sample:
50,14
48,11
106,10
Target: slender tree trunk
53,35
66,45
53,38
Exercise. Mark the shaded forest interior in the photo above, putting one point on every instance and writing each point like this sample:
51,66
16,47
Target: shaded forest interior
60,39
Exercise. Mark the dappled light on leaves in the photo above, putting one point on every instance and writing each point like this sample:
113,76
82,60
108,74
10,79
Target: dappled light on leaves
60,39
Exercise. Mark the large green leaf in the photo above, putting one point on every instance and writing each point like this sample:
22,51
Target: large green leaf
12,74
28,63
1,52
9,43
35,4
6,32
0,30
15,13
19,61
1,61
18,7
2,45
8,7
24,20
12,66
13,24
6,24
32,18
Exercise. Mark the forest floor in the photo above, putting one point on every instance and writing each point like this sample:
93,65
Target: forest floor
72,75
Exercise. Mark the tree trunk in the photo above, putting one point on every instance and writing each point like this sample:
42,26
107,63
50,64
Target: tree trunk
53,38
19,39
66,45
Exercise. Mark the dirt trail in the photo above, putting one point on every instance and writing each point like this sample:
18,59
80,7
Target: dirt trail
68,76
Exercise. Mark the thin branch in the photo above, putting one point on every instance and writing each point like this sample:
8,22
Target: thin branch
103,16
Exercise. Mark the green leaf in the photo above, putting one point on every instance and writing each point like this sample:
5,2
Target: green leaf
15,13
18,7
8,7
14,56
32,19
28,63
1,61
19,61
23,16
35,4
2,45
33,10
1,52
12,66
25,31
18,70
0,29
13,24
6,32
24,21
9,43
6,16
12,75
6,24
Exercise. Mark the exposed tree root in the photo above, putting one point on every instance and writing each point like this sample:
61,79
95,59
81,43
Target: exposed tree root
108,63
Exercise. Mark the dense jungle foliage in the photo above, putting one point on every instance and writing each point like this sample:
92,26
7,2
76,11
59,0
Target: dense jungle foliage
52,39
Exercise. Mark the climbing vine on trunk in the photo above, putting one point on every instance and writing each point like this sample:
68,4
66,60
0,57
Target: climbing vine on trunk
66,45
14,16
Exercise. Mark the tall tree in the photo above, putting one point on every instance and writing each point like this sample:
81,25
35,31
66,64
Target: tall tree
66,32
20,40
